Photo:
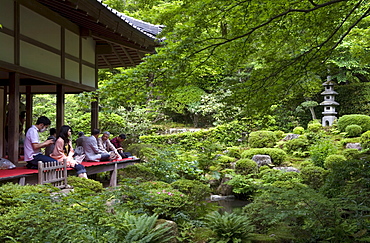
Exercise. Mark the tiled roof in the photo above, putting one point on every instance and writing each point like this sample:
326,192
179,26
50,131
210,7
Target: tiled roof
147,28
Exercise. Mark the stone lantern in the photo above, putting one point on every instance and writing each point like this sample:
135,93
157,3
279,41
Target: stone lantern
329,103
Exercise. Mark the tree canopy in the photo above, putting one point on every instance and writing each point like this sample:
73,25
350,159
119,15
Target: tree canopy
258,52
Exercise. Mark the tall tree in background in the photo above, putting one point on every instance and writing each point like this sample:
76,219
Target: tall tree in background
259,52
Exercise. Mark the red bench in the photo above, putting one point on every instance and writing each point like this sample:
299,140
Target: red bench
24,176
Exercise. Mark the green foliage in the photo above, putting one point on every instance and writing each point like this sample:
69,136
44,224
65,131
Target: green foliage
313,176
353,130
279,134
262,139
229,227
355,119
244,186
143,229
246,166
234,152
137,171
14,195
160,198
365,140
86,185
314,127
332,160
354,97
277,155
298,146
350,154
321,150
298,130
224,161
195,190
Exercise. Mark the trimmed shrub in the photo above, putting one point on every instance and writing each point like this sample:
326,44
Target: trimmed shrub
262,139
314,127
332,160
137,171
81,184
196,190
365,140
298,146
313,176
233,152
246,166
279,134
355,119
350,154
277,155
298,130
353,130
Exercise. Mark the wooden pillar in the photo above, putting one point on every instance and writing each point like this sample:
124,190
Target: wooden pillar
5,100
13,118
60,106
94,114
29,107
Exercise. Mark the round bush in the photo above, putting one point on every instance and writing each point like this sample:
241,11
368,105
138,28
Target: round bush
350,154
277,155
233,152
314,127
279,134
365,140
262,139
298,146
332,160
245,166
298,130
353,130
313,176
354,119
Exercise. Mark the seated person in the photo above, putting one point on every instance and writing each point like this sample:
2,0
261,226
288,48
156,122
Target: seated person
53,136
91,150
105,145
32,145
81,136
117,144
63,150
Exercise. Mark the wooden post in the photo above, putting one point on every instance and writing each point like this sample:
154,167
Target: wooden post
113,177
94,114
13,118
60,106
29,106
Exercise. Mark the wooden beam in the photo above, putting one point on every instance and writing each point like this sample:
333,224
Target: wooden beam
60,106
13,118
118,56
128,55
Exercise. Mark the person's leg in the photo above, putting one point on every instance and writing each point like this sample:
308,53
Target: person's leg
33,164
81,171
104,157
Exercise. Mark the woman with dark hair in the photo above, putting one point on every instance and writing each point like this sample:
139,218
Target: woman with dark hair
63,150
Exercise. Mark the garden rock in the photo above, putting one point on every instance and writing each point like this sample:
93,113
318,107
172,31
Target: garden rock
262,159
287,169
174,232
353,146
224,189
290,136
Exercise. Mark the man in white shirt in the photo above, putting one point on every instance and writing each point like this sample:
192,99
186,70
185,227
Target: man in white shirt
32,145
